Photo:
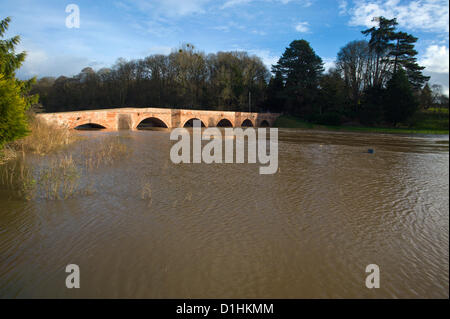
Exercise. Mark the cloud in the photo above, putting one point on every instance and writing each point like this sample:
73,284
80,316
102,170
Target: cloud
435,59
266,56
39,63
233,3
424,15
302,27
329,63
343,7
168,8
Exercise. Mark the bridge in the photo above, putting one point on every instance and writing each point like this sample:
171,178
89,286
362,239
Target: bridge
135,118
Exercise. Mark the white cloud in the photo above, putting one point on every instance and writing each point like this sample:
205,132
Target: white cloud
158,50
233,3
328,63
266,56
425,15
343,7
39,63
170,8
302,27
435,59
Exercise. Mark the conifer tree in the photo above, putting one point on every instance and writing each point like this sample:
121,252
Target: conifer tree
14,97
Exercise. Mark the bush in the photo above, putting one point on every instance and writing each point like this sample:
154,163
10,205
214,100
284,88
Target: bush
13,121
329,118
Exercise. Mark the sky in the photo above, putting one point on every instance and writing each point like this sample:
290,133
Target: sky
133,29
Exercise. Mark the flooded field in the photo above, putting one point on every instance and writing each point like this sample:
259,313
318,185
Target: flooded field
143,227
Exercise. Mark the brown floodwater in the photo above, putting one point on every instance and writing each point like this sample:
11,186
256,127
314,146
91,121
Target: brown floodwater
225,231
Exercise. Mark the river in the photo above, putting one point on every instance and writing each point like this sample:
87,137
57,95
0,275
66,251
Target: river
225,231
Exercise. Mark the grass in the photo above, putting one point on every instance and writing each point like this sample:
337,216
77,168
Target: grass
106,152
431,121
58,174
43,138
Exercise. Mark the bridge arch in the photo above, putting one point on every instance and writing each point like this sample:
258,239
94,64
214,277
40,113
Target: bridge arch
190,122
264,123
89,126
224,123
151,122
247,123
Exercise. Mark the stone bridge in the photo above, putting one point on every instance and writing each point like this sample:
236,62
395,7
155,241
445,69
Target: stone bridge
134,118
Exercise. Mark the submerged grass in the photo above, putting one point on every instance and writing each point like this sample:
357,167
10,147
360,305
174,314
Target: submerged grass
106,152
58,176
59,180
44,138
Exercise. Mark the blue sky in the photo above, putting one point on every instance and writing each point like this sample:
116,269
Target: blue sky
137,28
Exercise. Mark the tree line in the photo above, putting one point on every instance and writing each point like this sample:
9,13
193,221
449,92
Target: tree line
375,80
186,78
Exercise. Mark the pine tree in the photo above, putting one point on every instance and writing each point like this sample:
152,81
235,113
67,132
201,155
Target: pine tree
394,50
403,54
14,98
275,101
300,69
13,121
399,102
9,60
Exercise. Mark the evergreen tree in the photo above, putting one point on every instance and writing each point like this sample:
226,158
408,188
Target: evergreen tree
403,54
14,98
275,100
393,50
13,122
399,102
380,44
300,69
9,60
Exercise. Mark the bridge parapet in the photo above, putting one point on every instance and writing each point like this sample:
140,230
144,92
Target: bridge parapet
130,118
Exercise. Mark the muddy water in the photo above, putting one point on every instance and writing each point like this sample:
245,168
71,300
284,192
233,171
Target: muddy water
220,231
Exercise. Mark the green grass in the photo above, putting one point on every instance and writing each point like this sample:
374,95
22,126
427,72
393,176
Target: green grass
427,122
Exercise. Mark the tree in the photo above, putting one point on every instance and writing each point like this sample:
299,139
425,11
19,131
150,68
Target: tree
9,60
14,98
352,62
400,102
300,69
380,45
426,97
275,100
403,53
332,94
13,121
393,50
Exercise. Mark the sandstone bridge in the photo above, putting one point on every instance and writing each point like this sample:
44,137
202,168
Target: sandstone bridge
135,118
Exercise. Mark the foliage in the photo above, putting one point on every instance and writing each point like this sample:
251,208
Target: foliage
300,68
14,98
13,122
186,78
399,102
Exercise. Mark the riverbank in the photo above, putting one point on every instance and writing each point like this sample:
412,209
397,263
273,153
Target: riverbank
41,140
423,123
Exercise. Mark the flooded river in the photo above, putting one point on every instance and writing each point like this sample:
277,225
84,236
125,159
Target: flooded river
225,231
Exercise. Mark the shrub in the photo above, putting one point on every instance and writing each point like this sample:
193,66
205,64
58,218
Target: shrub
13,121
329,118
